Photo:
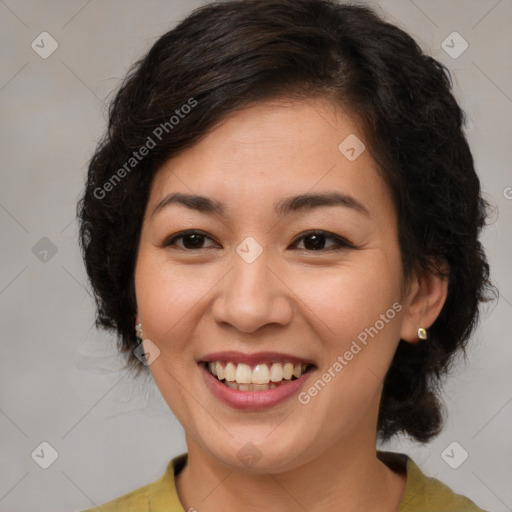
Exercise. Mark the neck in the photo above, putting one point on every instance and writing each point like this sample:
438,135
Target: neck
345,477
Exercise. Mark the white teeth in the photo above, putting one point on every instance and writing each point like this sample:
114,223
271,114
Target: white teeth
243,374
276,372
230,372
247,378
287,371
250,387
260,374
220,370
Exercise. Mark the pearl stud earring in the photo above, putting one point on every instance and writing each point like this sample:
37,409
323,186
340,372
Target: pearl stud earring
422,333
138,331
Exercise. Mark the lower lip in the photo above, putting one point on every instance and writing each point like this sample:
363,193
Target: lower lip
253,400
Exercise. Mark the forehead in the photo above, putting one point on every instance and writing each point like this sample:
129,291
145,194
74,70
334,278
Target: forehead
272,149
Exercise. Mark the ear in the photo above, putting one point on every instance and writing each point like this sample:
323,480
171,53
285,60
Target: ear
425,298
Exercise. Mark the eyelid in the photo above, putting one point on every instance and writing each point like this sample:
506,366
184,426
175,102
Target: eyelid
168,241
341,242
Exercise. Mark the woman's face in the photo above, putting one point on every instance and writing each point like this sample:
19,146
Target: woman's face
264,281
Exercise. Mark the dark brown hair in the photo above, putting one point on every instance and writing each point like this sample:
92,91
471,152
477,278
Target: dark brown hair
227,55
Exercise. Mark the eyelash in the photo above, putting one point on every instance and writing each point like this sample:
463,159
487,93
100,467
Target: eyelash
341,242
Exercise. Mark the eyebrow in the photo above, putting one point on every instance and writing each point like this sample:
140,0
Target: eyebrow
302,202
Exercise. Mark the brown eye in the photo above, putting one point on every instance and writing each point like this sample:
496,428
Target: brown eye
312,241
191,240
316,241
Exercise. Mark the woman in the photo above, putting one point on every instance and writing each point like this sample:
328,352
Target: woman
281,223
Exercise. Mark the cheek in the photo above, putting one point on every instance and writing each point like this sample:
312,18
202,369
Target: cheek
356,315
357,318
171,300
348,299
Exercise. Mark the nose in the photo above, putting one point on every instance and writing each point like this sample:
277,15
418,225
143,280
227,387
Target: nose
253,295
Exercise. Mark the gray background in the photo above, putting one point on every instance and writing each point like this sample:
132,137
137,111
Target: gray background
61,381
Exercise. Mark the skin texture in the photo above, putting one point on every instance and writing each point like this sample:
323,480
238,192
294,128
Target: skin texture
293,299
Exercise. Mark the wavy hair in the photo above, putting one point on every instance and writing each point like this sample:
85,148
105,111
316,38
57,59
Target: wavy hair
227,55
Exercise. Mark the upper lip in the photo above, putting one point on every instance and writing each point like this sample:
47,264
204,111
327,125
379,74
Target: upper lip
255,358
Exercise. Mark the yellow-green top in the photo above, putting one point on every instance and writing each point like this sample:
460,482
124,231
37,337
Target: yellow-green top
422,494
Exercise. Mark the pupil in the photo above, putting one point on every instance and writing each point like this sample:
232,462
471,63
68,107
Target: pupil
318,241
196,241
313,242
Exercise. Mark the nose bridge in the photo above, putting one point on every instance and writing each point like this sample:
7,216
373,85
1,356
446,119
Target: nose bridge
252,295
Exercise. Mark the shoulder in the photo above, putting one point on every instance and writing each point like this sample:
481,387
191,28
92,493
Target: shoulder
159,496
426,494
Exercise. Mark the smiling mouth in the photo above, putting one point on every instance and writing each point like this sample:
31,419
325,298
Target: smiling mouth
258,377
